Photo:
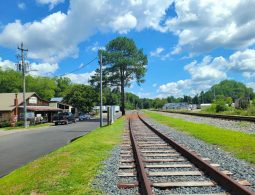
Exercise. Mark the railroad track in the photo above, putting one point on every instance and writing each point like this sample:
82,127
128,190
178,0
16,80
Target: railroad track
220,116
155,164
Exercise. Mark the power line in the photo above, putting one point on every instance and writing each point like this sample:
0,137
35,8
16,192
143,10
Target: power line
77,69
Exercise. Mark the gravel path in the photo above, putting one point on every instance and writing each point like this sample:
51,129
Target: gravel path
247,127
239,168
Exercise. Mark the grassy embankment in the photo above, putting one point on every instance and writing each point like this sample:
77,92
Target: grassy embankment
242,145
68,170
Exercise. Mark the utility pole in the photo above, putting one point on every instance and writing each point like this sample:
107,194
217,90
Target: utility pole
101,91
23,68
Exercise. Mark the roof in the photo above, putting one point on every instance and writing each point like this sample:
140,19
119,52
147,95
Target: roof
41,108
56,99
7,100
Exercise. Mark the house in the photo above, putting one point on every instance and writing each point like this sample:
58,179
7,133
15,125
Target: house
11,107
57,102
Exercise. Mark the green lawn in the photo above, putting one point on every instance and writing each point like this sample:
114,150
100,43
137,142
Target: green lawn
22,128
242,145
68,170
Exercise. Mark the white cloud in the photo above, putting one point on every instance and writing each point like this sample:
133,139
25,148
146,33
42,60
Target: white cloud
123,24
80,78
210,71
52,3
204,25
203,75
243,61
22,5
43,69
160,53
157,52
59,34
95,47
36,69
7,64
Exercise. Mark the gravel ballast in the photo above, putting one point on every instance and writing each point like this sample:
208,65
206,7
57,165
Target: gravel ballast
243,126
241,170
107,179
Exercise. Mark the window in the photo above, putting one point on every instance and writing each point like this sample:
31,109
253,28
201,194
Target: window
1,115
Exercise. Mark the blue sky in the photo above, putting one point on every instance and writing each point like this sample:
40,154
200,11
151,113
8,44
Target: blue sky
190,44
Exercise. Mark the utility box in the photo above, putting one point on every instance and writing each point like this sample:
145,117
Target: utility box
110,115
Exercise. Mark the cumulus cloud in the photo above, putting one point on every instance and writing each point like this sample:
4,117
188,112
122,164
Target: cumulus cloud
204,25
43,69
59,34
243,61
210,71
36,69
82,78
6,64
52,3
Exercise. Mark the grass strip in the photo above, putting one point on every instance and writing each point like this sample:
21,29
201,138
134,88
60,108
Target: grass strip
68,170
242,145
23,128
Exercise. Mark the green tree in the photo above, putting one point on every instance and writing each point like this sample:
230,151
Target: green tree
229,88
44,86
123,62
82,97
62,86
10,81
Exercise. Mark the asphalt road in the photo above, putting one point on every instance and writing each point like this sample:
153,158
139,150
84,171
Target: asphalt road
19,148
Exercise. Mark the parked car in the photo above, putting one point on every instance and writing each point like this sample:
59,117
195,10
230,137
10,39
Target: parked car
83,117
63,118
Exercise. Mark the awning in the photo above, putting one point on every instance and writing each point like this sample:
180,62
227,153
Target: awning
42,108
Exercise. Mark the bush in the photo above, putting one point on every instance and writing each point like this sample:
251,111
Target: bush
19,123
221,107
251,110
5,124
210,109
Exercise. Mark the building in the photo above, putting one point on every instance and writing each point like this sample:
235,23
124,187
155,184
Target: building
179,105
57,102
11,107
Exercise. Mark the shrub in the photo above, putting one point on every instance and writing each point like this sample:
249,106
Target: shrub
210,109
5,124
220,104
251,110
19,123
221,107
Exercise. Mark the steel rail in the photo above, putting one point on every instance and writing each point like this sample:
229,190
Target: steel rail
144,182
220,116
225,181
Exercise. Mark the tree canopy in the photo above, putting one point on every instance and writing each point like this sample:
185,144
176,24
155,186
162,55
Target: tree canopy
82,97
123,62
